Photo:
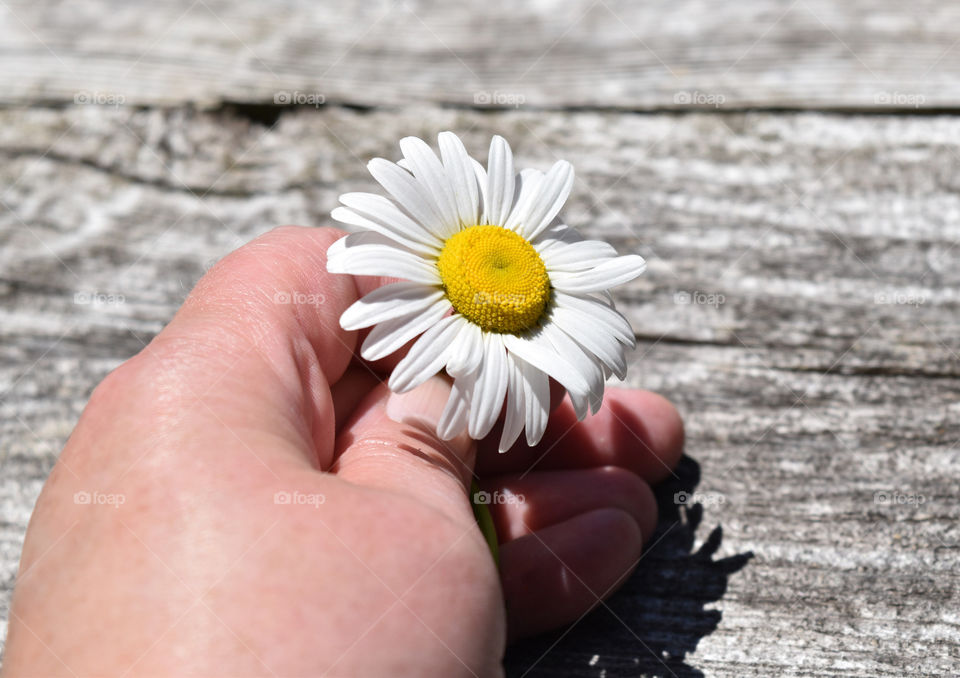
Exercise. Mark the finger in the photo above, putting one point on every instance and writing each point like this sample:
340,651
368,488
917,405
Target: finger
391,443
256,347
521,504
365,285
636,430
276,288
357,381
554,576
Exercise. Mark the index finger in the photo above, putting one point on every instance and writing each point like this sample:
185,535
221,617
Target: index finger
260,342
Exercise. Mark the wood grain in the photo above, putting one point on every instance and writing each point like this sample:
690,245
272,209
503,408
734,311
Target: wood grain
857,54
801,307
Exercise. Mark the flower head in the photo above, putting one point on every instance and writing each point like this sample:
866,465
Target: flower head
496,290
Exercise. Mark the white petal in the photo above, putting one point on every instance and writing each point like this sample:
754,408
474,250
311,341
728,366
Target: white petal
513,422
410,194
378,259
600,314
596,399
457,410
577,256
580,405
556,235
388,302
537,401
428,170
534,348
348,216
469,353
608,274
481,175
386,213
530,180
459,168
554,191
586,364
336,250
591,368
426,357
390,335
603,345
490,387
500,182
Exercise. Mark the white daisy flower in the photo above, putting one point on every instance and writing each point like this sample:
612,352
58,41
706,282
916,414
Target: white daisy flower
500,293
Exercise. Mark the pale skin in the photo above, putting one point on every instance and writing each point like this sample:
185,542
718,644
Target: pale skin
185,561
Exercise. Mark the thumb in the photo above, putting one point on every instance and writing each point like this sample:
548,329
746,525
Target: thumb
391,443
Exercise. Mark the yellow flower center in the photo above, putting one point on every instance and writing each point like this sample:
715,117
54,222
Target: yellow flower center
494,278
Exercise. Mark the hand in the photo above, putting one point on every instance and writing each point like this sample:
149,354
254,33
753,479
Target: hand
245,497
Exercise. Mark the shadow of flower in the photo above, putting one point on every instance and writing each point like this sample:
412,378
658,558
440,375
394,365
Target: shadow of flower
659,615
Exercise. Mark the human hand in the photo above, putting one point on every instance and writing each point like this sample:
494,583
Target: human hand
246,497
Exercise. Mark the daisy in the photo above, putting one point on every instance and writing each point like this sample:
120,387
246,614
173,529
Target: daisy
496,290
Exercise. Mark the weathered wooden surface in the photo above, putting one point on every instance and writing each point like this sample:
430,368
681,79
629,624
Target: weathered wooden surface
801,307
609,53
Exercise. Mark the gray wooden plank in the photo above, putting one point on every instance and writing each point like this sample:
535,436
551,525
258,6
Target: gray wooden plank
608,53
800,307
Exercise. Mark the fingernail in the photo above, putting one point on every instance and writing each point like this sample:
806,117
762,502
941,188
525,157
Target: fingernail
421,407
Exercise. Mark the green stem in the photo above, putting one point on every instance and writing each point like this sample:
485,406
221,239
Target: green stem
481,512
